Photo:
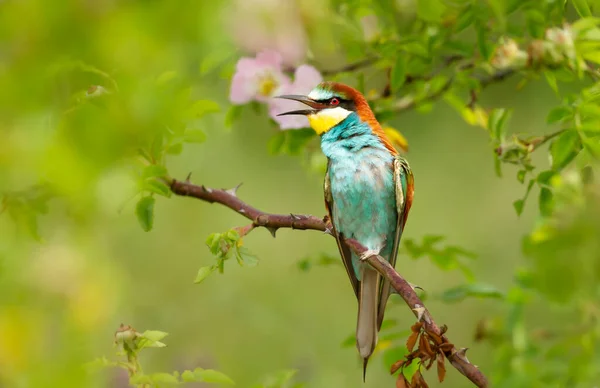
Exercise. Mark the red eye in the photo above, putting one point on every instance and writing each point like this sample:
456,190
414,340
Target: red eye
334,101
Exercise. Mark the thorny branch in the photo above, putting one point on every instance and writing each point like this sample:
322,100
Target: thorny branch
273,222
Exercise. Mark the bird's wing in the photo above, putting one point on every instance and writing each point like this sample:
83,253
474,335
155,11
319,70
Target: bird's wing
345,251
404,190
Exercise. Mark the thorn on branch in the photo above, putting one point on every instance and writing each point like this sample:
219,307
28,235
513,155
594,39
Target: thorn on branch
233,191
189,176
420,310
272,230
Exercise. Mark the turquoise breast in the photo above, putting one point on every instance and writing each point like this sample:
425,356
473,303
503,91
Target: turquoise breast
362,186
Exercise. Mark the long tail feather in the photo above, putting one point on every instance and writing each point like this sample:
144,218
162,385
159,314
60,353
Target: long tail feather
366,328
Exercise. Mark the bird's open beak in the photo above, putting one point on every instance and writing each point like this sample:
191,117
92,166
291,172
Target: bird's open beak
305,100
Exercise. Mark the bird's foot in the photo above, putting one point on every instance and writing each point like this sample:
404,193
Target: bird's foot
368,253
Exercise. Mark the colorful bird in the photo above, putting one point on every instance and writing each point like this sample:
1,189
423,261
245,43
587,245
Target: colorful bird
368,194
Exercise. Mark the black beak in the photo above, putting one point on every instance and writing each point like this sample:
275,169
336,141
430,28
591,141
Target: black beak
305,100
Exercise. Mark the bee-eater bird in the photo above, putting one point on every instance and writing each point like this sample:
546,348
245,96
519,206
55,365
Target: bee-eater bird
368,194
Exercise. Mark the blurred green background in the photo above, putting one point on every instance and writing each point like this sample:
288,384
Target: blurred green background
63,296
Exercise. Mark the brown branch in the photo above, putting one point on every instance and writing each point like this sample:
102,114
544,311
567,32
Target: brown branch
273,222
259,218
456,357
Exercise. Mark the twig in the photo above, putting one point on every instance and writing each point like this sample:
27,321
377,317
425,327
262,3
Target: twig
272,222
456,357
351,67
259,218
536,142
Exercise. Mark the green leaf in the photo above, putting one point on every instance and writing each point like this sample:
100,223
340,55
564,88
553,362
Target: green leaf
559,114
145,212
521,175
582,8
544,177
482,41
592,146
157,186
194,136
151,339
465,19
190,377
213,60
248,258
212,376
203,273
233,114
430,10
164,378
545,202
166,77
201,108
275,144
398,75
175,149
280,379
140,379
213,242
551,79
99,363
478,290
519,204
497,123
154,170
564,149
590,111
154,335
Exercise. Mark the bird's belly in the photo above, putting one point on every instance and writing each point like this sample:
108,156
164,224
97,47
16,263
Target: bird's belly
364,204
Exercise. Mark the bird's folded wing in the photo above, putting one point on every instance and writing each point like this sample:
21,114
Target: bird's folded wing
404,189
345,251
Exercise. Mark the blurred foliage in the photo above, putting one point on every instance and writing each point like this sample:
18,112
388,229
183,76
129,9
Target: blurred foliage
101,102
131,343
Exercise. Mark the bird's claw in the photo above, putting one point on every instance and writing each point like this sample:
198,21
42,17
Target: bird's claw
368,253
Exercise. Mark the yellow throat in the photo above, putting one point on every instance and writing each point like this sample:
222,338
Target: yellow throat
325,119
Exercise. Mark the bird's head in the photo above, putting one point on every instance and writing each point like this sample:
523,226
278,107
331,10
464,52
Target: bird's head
330,104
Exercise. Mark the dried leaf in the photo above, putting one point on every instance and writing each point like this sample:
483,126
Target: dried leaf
412,340
418,381
441,367
426,346
446,346
416,327
430,363
397,365
435,338
443,329
401,382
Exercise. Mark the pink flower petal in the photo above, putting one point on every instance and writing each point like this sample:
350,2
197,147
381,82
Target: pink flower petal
270,58
242,90
258,78
306,78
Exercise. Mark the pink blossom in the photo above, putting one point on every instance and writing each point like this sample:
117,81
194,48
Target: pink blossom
258,78
306,78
